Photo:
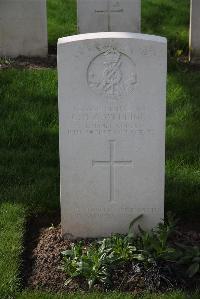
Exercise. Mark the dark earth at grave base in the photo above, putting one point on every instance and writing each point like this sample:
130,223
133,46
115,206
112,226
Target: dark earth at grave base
42,259
50,62
35,63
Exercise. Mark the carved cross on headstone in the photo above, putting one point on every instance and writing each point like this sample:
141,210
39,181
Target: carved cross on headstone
112,163
115,9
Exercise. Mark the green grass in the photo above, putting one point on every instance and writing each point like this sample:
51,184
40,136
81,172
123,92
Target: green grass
29,168
174,295
29,139
167,18
12,216
183,143
62,19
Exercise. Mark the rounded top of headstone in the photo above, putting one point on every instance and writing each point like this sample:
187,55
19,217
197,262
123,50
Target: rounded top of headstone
102,35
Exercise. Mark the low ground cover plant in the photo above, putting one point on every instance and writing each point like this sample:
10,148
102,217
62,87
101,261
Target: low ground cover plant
152,256
189,256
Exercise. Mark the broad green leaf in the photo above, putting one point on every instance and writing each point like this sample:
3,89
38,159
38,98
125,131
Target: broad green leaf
193,269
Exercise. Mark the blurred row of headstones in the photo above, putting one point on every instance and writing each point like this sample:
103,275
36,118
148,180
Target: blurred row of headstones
23,28
23,23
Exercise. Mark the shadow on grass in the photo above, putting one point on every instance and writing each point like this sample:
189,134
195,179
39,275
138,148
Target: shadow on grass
183,143
29,171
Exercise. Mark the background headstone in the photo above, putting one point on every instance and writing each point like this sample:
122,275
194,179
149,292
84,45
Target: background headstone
195,31
109,15
112,131
23,28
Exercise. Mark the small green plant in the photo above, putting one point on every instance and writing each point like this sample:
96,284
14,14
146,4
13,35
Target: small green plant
89,263
120,248
95,263
154,244
189,256
153,247
6,60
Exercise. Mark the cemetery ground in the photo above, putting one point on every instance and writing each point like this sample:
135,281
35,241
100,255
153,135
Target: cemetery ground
29,166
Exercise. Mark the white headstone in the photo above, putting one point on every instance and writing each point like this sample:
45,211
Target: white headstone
195,31
112,131
23,28
109,15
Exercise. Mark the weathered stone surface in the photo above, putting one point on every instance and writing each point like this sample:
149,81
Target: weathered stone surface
23,28
112,131
195,31
109,15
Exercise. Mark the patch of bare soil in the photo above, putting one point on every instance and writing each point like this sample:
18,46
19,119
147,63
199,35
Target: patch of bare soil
42,259
191,66
28,62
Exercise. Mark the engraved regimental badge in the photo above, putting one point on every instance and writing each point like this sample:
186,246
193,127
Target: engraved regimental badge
112,74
